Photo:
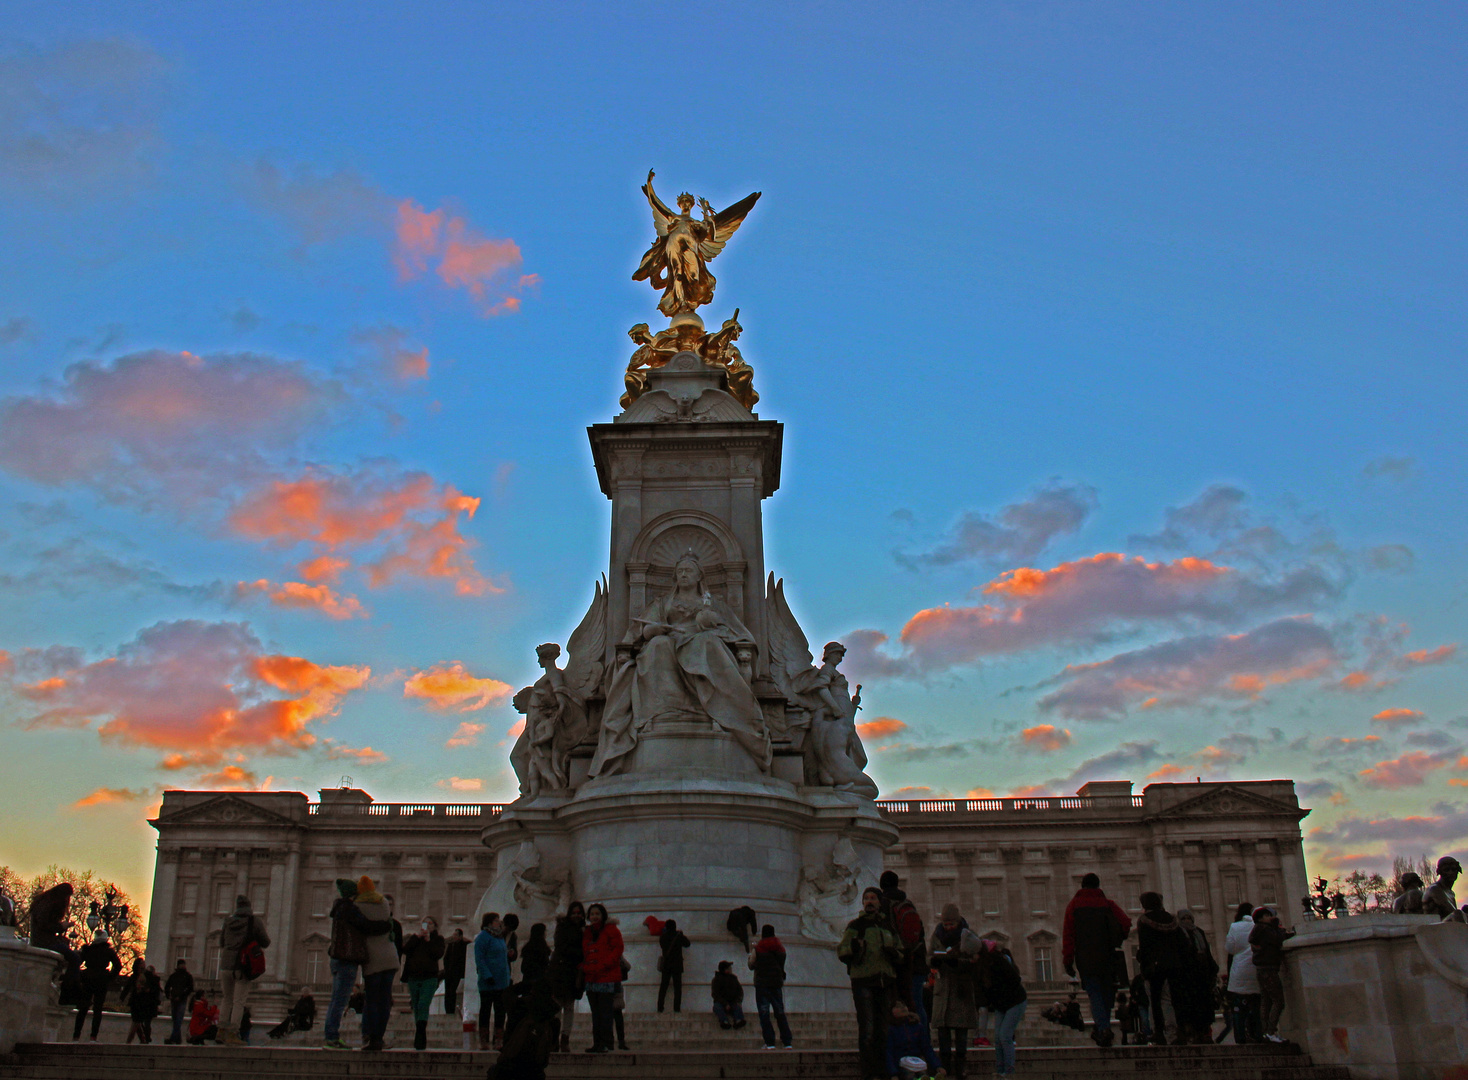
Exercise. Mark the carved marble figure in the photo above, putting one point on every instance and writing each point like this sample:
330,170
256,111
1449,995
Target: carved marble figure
827,894
677,262
719,349
1409,900
555,711
1438,898
687,657
834,755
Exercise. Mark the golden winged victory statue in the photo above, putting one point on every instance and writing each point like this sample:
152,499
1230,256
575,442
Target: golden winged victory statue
677,262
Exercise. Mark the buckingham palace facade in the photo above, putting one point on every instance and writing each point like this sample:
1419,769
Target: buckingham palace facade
1011,865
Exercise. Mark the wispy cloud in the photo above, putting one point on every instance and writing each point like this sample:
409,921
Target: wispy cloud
449,687
1020,532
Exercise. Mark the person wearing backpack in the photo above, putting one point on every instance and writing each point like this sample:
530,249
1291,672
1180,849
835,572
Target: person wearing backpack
1093,930
912,969
242,944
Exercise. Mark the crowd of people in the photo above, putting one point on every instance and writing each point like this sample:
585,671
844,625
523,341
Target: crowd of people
1177,971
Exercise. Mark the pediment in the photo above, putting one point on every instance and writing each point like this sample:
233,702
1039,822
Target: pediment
1230,802
224,810
315,937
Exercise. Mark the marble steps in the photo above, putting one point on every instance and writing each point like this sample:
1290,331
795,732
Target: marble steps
70,1061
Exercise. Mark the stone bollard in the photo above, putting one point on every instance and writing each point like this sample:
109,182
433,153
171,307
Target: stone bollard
27,988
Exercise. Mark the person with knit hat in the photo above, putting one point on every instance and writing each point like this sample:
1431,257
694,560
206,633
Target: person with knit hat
952,950
241,929
380,966
347,953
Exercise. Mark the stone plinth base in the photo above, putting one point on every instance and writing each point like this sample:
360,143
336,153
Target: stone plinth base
1384,995
27,989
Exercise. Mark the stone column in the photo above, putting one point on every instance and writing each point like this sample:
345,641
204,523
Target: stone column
963,858
161,906
280,921
1296,882
1175,884
436,894
1222,916
745,488
1251,870
917,870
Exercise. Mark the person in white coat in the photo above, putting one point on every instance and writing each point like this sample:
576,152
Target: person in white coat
1243,980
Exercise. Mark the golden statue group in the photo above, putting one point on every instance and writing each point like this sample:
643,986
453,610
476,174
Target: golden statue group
677,262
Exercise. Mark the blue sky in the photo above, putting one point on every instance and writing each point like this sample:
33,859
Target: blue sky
1162,304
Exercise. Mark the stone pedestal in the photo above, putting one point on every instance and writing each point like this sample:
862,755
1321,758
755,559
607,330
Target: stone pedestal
1384,995
27,989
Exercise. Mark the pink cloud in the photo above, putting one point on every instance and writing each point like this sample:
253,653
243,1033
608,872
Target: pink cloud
106,796
198,689
1187,671
1398,717
297,594
880,728
1046,738
1409,770
466,734
461,257
461,783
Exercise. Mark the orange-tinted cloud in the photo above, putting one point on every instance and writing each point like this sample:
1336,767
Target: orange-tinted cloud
1189,670
323,568
1361,682
1031,791
231,777
979,793
104,796
517,728
460,256
193,688
461,783
297,594
364,755
1395,717
392,355
1409,770
912,793
450,687
1422,657
1167,773
1046,738
1085,599
466,734
880,727
412,521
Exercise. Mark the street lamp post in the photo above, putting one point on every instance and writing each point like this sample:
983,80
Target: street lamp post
108,915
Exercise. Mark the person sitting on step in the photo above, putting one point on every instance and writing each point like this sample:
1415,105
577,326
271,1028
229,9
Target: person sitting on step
728,996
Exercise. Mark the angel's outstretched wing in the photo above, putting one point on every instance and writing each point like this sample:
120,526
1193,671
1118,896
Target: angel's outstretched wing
584,663
726,224
789,651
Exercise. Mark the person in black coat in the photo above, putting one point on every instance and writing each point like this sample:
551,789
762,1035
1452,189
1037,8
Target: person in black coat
671,942
1195,983
453,969
179,990
535,956
1160,945
300,1018
564,974
142,993
99,963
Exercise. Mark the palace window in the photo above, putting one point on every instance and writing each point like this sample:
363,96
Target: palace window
1268,891
223,897
458,901
1131,890
1044,965
182,948
1039,901
413,899
944,892
188,901
259,890
1197,891
989,897
315,967
320,899
1233,888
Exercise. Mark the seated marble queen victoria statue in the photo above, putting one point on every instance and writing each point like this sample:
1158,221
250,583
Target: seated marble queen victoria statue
687,657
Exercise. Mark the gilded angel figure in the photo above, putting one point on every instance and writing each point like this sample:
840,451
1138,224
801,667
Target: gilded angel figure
677,261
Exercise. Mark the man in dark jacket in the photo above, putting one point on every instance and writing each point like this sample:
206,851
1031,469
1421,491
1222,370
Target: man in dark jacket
179,989
1093,930
912,969
347,952
1160,945
1266,945
242,929
768,964
671,943
300,1018
453,969
728,996
99,963
871,950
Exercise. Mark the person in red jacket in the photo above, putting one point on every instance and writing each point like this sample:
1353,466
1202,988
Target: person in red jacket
601,964
1094,929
